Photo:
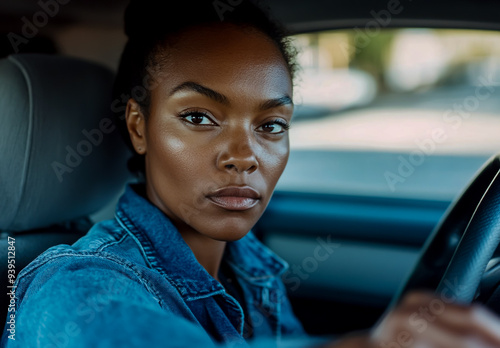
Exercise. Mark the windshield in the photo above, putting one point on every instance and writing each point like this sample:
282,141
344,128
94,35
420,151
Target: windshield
401,99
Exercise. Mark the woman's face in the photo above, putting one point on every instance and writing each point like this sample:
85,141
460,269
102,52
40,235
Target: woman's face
216,140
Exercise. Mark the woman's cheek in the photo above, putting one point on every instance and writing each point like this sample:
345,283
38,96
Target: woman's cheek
174,153
276,158
173,144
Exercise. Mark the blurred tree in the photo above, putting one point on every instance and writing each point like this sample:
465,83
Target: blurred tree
370,52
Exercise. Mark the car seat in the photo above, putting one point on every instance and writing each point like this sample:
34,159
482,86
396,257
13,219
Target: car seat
61,156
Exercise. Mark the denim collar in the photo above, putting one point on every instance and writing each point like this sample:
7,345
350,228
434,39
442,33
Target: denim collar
166,251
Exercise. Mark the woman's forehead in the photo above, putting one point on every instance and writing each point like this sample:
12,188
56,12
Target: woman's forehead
226,57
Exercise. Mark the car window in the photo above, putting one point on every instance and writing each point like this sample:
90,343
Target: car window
412,111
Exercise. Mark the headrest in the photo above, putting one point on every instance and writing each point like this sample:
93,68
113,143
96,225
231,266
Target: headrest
61,156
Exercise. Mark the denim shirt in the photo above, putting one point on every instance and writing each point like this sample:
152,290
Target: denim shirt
134,282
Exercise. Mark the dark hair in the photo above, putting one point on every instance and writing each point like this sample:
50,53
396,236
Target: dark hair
150,23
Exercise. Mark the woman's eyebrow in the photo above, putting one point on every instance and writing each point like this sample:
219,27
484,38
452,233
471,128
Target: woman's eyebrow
274,103
210,93
221,98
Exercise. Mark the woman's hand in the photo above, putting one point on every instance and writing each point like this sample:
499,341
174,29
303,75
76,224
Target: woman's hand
424,320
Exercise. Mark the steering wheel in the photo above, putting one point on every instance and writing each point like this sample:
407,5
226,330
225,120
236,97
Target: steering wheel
457,252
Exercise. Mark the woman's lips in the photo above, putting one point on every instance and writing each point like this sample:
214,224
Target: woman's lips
235,198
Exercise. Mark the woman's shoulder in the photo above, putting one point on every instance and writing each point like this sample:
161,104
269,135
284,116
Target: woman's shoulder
105,252
105,240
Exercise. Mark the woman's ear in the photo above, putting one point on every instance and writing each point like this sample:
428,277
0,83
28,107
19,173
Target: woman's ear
136,125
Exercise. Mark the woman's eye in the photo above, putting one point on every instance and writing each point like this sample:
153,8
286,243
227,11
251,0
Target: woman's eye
198,119
274,127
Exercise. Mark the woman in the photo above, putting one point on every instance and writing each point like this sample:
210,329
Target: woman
208,91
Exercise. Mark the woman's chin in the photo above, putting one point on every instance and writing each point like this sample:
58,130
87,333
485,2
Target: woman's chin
228,231
231,237
225,228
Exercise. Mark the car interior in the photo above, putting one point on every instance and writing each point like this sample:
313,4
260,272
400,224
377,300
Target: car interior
394,165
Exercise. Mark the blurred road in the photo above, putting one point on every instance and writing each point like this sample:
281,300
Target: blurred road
465,120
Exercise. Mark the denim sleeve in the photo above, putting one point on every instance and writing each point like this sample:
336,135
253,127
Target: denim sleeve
96,303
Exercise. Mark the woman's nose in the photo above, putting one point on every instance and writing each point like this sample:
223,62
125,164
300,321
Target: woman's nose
239,156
